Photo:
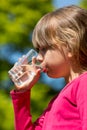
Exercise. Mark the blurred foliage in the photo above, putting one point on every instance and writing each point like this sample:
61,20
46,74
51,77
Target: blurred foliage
17,21
40,96
83,4
18,18
6,112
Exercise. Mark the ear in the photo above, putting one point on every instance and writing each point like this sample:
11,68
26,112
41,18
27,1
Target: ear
69,52
70,55
70,46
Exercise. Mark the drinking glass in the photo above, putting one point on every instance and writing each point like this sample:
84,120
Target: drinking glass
15,74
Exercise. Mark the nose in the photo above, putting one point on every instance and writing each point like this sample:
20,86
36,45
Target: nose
39,58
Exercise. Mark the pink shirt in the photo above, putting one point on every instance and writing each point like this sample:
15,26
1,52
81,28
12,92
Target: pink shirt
66,111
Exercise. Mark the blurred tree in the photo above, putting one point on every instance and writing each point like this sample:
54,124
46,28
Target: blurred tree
6,112
37,105
18,18
83,4
17,21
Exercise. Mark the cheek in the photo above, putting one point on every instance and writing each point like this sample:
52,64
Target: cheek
56,67
55,61
57,64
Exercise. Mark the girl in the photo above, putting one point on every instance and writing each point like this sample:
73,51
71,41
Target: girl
61,40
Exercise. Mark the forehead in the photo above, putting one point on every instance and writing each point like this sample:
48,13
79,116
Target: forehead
44,35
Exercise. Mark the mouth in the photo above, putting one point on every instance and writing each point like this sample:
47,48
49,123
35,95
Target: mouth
43,67
45,70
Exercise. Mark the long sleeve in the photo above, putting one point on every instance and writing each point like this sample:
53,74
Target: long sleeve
23,119
66,111
81,97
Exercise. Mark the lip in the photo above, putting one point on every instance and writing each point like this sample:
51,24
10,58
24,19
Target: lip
45,70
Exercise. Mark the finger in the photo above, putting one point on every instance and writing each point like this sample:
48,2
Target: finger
31,74
25,75
15,72
20,77
26,67
27,83
33,60
21,58
38,72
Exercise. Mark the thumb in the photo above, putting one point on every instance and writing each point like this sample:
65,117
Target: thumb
33,60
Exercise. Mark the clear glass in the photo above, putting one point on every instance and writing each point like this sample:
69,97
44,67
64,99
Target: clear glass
15,74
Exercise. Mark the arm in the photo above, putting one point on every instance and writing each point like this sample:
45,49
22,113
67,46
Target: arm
21,97
82,101
23,118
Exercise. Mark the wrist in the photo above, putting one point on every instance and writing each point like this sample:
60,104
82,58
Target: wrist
21,90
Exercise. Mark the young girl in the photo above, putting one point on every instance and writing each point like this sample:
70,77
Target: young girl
61,40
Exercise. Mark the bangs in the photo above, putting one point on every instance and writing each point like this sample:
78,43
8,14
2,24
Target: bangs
39,40
44,33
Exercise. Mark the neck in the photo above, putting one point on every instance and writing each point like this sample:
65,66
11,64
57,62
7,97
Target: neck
72,75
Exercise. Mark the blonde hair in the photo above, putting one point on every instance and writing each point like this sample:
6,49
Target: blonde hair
68,26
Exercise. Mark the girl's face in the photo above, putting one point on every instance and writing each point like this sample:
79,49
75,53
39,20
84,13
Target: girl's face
55,61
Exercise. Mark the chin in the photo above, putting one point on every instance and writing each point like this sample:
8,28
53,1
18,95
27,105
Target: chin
52,76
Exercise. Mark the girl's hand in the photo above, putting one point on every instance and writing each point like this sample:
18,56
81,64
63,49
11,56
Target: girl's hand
25,76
